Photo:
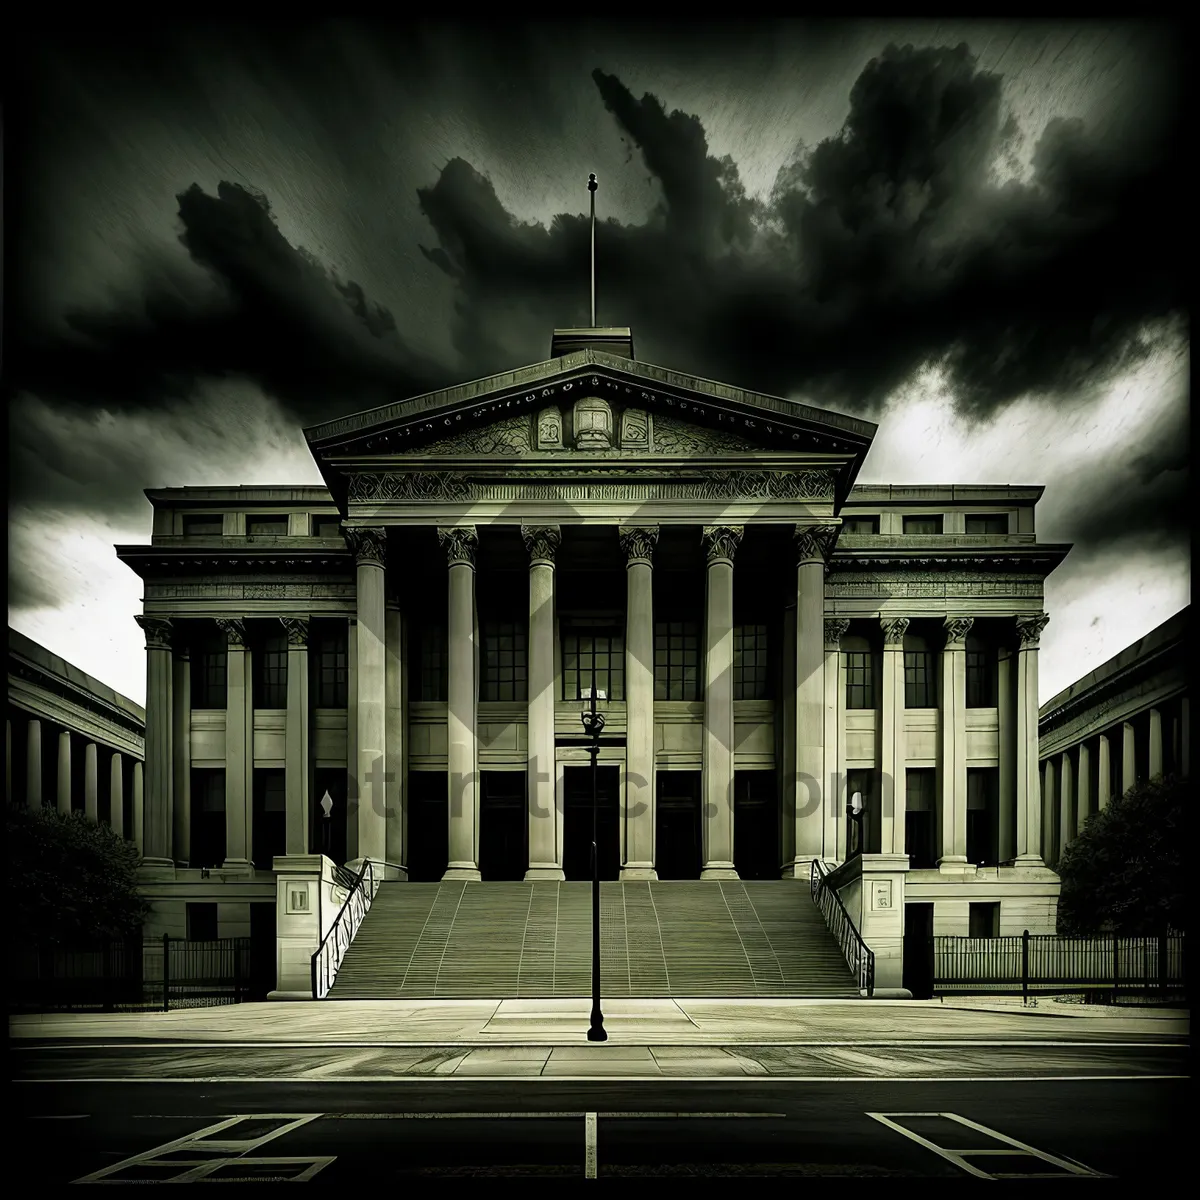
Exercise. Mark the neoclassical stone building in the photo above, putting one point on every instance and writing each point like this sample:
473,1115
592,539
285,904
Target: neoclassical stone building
392,666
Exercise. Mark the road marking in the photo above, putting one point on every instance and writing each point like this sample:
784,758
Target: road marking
212,1153
959,1157
340,1064
72,1117
589,1145
544,1116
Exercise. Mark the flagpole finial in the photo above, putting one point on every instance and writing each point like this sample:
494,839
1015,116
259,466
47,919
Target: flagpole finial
592,186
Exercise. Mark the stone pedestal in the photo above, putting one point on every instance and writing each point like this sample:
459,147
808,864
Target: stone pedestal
306,904
875,902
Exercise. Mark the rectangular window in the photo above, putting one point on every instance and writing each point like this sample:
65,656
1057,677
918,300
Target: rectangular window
920,683
677,660
981,675
860,524
201,922
206,525
860,679
331,650
208,817
272,526
209,657
326,527
920,826
505,662
269,834
924,525
983,815
270,672
987,523
751,666
984,920
593,658
434,664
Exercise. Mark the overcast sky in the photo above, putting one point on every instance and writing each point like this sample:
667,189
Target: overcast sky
970,233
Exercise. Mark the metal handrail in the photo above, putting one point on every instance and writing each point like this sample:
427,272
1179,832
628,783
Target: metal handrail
327,957
859,956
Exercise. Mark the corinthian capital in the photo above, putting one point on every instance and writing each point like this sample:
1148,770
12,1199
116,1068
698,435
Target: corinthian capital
1029,629
297,630
721,542
638,542
835,630
542,542
157,631
234,629
894,629
368,544
957,629
460,542
814,543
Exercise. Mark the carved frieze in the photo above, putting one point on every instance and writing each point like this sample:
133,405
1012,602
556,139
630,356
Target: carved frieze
814,543
297,630
835,630
157,630
234,629
638,542
460,543
957,629
721,542
894,629
542,542
369,545
1029,629
411,485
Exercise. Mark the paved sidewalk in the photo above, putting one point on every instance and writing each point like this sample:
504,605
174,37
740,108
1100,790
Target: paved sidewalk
633,1023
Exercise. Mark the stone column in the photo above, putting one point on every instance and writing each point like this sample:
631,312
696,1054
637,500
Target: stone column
542,542
1029,825
1155,766
1083,787
1066,802
239,748
952,818
1128,757
461,543
116,795
63,796
33,764
638,545
296,738
834,802
369,547
1006,773
813,546
396,777
182,753
1103,772
1184,736
157,815
139,809
720,545
1049,808
787,743
351,740
91,783
892,750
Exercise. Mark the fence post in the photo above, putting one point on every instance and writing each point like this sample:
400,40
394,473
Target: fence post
1162,964
166,972
106,975
1025,967
1116,964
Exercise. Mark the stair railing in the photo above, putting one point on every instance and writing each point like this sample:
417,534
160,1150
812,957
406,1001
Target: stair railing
859,956
329,954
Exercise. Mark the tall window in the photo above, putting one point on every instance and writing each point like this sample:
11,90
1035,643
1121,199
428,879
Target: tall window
331,651
860,524
920,679
270,672
209,655
751,670
593,658
505,663
203,525
677,660
859,664
269,834
981,674
267,526
983,815
434,676
208,817
920,827
923,524
987,523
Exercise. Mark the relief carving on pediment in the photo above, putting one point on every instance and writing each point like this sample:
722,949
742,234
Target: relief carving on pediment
672,436
549,429
593,423
507,436
635,429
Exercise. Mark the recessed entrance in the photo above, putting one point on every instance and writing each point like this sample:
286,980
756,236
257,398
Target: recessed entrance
918,950
502,826
428,826
577,822
677,852
755,825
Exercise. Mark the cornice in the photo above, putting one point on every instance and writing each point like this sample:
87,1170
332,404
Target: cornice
1025,559
63,690
154,561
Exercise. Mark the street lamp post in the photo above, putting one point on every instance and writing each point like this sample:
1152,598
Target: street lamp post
593,724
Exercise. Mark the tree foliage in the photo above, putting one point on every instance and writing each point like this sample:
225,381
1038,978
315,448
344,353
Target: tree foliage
71,882
1124,871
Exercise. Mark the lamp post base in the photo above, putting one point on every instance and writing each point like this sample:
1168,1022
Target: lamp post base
597,1032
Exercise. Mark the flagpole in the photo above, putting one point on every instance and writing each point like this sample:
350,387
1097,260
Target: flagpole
592,185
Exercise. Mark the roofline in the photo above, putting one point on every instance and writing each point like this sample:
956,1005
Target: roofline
267,491
23,646
882,492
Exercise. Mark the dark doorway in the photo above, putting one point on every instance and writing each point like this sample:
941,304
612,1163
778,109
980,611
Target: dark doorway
678,848
755,825
918,950
503,828
428,826
577,822
262,950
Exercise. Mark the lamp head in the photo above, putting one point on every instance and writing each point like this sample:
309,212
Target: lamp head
856,804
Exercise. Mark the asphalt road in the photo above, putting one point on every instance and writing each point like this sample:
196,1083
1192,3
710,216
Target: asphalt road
349,1132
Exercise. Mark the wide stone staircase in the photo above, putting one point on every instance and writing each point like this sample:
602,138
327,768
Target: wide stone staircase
503,940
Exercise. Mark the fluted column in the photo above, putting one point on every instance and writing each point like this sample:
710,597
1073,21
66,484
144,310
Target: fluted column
63,792
1049,809
890,809
157,817
461,543
33,767
1029,825
1128,757
1103,772
1155,762
91,782
369,547
181,755
1083,787
239,748
833,784
542,542
139,808
295,738
1066,805
720,545
116,795
952,818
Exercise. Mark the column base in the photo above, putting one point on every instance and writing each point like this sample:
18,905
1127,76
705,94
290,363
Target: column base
237,866
467,872
1028,860
544,873
638,871
156,870
955,864
719,870
391,872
